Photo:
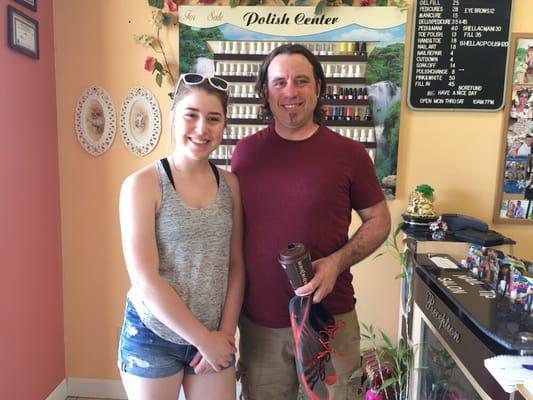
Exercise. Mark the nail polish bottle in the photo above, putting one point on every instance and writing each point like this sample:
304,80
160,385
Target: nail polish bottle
365,93
371,137
357,114
349,113
359,94
368,114
356,49
363,49
362,138
372,154
356,134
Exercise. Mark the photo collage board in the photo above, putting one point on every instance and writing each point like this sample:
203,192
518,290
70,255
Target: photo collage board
361,50
517,178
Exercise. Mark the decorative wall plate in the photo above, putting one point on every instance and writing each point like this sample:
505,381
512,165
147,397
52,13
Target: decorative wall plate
140,121
95,120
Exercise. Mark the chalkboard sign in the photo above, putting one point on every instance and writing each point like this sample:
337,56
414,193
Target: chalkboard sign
459,54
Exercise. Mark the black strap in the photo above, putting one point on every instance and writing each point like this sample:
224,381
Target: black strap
215,171
166,167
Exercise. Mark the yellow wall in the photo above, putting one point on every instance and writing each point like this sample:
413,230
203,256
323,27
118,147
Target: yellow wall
456,152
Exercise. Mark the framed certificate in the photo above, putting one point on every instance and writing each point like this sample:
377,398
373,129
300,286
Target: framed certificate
22,33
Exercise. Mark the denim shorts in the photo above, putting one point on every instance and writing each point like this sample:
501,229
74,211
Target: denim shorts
143,353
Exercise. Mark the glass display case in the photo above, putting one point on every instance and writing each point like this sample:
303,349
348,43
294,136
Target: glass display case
458,321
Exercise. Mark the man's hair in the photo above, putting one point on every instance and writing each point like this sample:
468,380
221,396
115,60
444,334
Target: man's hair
261,83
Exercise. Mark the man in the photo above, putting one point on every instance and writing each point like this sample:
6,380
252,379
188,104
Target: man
299,183
525,149
519,212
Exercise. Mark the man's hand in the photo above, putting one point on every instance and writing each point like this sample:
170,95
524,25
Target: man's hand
326,273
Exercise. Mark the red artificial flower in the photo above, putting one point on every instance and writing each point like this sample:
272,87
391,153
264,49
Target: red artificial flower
371,395
206,1
365,3
149,64
172,5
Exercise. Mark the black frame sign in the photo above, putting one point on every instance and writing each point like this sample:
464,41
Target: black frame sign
459,54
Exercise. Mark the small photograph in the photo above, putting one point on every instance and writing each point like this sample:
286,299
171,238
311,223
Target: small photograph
514,179
519,146
515,209
521,102
523,71
530,212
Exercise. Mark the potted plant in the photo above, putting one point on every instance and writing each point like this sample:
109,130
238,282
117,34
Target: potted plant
388,366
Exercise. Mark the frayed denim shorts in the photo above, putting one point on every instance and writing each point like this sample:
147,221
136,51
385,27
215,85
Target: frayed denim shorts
143,353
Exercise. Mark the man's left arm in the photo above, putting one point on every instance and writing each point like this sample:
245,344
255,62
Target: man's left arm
371,234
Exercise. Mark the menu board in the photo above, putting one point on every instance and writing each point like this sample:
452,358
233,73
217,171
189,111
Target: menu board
459,54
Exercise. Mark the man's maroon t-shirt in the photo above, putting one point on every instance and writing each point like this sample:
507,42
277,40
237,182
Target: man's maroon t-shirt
299,192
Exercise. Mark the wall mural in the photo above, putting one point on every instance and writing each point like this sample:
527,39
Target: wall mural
361,50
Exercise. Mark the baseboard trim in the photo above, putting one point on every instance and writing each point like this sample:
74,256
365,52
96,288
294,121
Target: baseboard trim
60,392
103,388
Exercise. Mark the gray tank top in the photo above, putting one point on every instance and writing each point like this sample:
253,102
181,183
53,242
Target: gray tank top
193,246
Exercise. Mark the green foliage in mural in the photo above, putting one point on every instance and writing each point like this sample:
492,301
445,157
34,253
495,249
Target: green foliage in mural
385,64
386,162
193,44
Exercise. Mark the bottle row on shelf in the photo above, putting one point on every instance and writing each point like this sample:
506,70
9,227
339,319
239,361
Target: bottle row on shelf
251,69
361,134
335,92
347,113
317,48
224,153
337,113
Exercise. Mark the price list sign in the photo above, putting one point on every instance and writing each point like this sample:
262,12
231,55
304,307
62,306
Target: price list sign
459,54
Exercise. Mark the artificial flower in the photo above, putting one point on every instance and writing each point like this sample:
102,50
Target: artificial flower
149,64
371,395
365,3
172,5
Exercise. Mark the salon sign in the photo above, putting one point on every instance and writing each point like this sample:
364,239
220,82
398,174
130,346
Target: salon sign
294,21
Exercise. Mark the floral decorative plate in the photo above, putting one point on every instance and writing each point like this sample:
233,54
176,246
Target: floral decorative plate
95,120
140,121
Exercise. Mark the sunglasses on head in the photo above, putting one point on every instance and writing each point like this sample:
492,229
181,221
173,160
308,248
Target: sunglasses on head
196,79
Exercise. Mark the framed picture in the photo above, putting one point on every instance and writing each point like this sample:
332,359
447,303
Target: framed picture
31,4
514,193
22,33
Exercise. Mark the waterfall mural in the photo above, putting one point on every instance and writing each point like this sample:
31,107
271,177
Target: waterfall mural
246,34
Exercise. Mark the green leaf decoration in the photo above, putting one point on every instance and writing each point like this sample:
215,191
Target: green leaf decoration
234,3
286,2
348,2
156,3
301,3
382,3
158,66
159,79
167,19
426,190
320,7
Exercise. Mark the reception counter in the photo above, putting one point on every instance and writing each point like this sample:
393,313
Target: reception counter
458,322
